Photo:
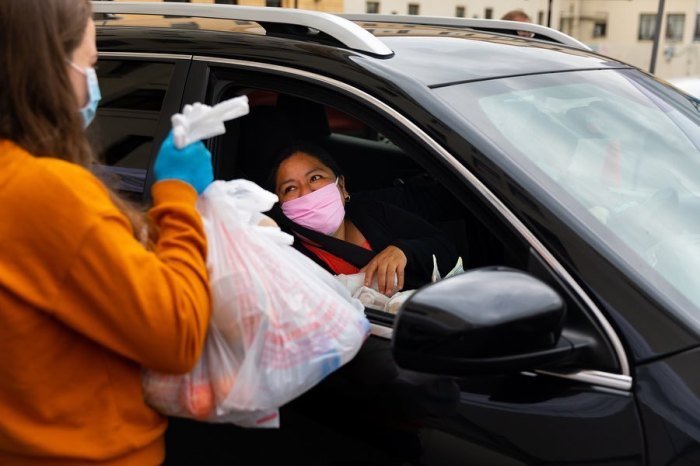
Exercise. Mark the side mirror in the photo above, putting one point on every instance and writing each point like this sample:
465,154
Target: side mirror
482,321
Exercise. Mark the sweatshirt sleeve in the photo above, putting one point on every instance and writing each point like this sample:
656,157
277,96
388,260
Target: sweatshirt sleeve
418,240
150,306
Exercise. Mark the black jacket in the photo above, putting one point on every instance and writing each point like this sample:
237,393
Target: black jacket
382,225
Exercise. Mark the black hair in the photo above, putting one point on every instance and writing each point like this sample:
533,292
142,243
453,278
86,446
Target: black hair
308,148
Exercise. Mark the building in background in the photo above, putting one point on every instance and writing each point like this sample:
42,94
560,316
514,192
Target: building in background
624,29
489,9
330,6
492,9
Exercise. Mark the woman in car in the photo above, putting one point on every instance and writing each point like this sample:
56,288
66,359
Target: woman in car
84,304
385,242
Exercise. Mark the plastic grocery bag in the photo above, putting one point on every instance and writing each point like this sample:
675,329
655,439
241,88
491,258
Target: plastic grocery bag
280,323
371,297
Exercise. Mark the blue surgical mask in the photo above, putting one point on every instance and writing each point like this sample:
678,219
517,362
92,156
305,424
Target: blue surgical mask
94,95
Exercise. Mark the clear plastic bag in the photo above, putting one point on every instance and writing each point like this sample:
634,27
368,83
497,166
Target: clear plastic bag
280,323
371,297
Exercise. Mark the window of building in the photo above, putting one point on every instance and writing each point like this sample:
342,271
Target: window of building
696,36
372,7
566,25
600,28
675,23
540,17
460,12
227,2
413,9
647,26
274,3
488,13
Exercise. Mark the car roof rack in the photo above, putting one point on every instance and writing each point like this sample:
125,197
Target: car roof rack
339,29
491,25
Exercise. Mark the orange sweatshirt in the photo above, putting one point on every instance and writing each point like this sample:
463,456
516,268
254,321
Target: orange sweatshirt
83,306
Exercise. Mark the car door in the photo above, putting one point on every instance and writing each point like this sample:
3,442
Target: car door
372,411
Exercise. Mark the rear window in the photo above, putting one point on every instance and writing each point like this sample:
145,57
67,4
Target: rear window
123,132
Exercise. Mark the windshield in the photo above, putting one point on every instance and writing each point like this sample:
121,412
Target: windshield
619,151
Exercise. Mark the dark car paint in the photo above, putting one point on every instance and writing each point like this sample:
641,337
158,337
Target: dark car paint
668,399
505,58
510,57
500,422
372,412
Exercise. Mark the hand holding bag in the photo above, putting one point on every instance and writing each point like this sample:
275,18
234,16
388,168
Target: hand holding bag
280,323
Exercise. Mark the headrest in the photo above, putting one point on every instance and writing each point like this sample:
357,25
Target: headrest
309,120
265,131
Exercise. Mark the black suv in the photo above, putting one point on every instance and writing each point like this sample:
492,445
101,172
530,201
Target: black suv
568,181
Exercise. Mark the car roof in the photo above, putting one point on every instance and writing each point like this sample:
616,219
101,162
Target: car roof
433,54
479,56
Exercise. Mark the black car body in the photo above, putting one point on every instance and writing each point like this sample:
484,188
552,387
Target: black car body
585,269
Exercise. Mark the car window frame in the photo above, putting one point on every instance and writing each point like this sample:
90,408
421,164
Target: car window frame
621,380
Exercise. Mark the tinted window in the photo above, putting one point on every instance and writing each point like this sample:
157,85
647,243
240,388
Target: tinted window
125,125
374,165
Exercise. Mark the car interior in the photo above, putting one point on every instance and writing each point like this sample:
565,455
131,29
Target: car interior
380,162
373,165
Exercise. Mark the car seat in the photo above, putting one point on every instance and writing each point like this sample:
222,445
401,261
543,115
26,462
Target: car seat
265,131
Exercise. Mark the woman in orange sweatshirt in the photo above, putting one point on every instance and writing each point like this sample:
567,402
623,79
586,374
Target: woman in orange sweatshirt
84,305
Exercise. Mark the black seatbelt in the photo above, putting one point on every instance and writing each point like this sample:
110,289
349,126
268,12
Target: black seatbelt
355,255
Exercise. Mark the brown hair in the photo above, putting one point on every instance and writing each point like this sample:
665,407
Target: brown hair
38,106
516,15
308,148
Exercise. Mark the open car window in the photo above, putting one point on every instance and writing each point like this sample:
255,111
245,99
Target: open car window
377,165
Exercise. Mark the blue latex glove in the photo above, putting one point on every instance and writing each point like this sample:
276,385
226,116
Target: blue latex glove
191,164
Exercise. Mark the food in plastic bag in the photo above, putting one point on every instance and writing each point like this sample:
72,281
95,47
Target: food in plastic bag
374,299
280,323
371,297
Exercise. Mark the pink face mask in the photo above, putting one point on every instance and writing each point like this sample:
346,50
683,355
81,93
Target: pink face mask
321,210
